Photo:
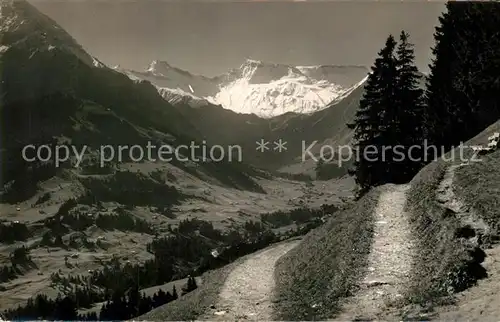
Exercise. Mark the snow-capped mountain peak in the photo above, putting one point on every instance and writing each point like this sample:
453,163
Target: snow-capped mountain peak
268,89
258,72
160,68
257,87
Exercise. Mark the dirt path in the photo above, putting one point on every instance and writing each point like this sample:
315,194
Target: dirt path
247,292
390,259
446,196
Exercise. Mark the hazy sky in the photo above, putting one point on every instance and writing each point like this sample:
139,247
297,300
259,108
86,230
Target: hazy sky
210,37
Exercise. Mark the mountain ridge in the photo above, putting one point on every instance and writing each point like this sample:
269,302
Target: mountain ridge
50,80
256,87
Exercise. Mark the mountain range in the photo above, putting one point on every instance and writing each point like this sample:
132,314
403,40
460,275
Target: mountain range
266,101
256,87
53,91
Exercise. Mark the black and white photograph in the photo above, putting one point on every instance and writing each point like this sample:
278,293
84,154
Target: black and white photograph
249,160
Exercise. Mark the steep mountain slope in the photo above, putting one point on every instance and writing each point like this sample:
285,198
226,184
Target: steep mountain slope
453,202
178,97
163,75
260,88
51,88
344,76
23,25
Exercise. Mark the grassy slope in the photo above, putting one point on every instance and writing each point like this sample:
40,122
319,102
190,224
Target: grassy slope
325,266
479,183
438,250
442,258
479,186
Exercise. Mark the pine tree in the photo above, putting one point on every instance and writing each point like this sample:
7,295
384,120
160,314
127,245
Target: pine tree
462,89
65,309
440,94
190,285
134,298
104,314
370,124
479,65
407,123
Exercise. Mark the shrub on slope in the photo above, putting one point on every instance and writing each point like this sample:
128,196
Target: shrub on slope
324,267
